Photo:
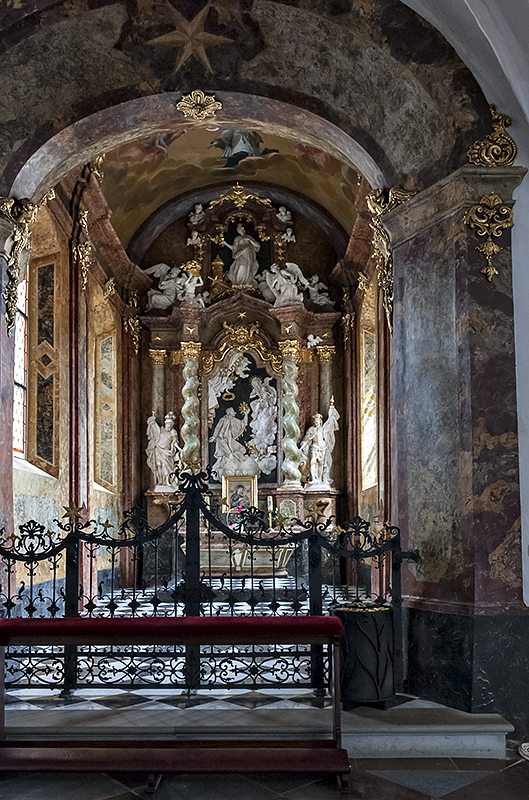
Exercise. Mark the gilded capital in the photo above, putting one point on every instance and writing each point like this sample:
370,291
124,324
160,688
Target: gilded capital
190,349
326,352
158,356
291,348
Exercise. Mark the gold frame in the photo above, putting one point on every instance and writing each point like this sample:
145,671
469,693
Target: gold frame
228,485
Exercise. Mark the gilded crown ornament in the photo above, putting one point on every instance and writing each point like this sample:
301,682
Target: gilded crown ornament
198,105
498,149
192,268
490,217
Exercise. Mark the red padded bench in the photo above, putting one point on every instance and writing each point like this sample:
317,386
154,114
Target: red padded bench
179,756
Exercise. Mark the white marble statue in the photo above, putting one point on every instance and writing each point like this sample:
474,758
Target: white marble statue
197,215
171,281
313,341
194,239
318,292
244,266
288,236
283,215
283,283
186,292
317,447
230,455
162,450
263,425
234,366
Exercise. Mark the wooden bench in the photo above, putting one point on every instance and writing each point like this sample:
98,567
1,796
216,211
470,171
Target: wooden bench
179,756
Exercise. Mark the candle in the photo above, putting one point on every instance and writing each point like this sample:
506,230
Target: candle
270,501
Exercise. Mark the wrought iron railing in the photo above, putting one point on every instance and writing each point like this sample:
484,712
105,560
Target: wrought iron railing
194,564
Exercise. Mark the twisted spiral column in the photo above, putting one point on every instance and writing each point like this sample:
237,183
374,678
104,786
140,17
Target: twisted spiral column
190,454
291,352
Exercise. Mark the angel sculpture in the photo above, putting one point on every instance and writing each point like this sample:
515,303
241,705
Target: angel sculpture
163,450
313,341
288,236
171,281
318,292
283,284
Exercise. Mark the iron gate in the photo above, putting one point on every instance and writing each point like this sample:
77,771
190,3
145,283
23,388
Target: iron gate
197,565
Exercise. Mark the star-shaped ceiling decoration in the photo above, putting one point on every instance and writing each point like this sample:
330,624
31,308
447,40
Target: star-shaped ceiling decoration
190,37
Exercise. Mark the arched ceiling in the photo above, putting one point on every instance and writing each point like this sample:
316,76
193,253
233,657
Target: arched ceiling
142,176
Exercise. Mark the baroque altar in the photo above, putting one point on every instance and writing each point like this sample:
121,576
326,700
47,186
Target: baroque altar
242,379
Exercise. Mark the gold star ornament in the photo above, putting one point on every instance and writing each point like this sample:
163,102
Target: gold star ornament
316,510
190,38
73,512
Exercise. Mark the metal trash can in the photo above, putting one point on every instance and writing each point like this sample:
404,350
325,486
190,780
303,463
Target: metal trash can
367,654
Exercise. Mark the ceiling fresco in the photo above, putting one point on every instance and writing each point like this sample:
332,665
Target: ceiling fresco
141,176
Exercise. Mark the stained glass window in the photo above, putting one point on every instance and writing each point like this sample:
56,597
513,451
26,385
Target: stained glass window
21,369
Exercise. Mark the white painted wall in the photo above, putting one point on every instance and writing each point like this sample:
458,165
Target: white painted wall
492,38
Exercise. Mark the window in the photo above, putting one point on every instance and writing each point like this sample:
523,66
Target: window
21,370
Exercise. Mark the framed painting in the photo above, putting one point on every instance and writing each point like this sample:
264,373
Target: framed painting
239,491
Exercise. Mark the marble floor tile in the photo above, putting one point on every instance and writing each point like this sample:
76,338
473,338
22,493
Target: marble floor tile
434,783
214,787
511,783
64,786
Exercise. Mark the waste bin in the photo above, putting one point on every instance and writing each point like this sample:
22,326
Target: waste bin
367,654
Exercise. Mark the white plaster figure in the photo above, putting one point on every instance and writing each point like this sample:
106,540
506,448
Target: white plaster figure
283,215
171,281
318,292
288,236
264,423
234,366
194,239
317,448
244,266
186,291
231,457
312,340
197,215
162,450
283,283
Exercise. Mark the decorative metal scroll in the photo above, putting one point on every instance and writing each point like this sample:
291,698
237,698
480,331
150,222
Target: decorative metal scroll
194,564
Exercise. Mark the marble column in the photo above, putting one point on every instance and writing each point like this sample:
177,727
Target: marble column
454,448
325,356
190,455
291,352
158,359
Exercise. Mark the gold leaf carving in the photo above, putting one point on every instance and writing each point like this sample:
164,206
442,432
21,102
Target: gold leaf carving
242,338
21,214
198,105
132,326
238,195
498,149
490,217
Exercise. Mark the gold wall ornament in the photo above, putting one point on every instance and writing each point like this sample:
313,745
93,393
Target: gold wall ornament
238,195
326,352
83,253
198,105
498,149
96,168
83,220
291,348
21,214
242,338
316,510
348,321
363,282
157,356
490,217
109,288
381,202
132,326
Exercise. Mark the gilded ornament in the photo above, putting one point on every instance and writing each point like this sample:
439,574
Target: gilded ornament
73,512
242,338
192,268
490,217
190,349
348,321
83,253
158,356
83,220
316,510
363,282
238,195
291,348
21,214
96,168
326,352
198,105
109,288
498,149
132,326
380,203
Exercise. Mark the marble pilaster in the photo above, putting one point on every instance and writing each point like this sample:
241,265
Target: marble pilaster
158,359
325,356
